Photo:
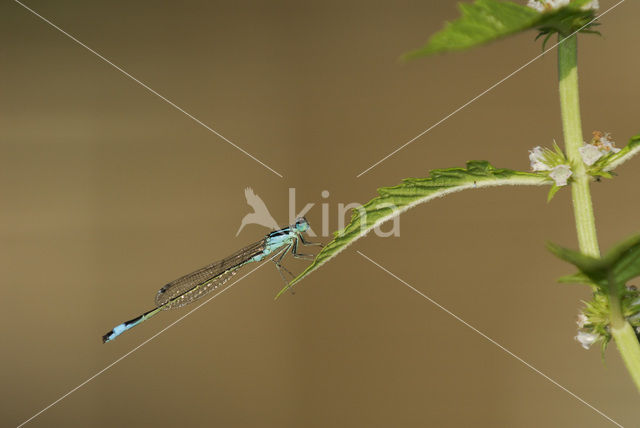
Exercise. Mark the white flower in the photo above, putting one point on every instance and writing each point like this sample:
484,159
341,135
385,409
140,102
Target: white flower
595,5
561,174
600,145
536,158
586,339
582,320
547,5
590,154
606,145
535,4
544,5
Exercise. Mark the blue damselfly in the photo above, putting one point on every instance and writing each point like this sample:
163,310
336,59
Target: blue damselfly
193,286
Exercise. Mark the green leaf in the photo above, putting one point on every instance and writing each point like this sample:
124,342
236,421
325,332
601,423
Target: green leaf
624,260
612,272
414,191
486,20
592,267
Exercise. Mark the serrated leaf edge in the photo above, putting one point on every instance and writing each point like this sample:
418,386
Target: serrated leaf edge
529,179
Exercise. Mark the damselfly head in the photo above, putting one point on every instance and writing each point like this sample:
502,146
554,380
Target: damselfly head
301,225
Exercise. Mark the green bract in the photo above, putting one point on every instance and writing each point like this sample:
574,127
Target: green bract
486,20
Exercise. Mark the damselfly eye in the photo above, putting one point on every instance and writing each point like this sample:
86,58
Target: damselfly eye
302,224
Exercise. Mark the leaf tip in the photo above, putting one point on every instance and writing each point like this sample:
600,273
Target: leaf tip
281,292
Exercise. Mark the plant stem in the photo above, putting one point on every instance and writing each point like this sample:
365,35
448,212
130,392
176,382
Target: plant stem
627,344
572,128
621,330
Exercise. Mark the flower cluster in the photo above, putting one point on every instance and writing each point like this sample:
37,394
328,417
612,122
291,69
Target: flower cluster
599,146
547,5
594,320
595,154
554,162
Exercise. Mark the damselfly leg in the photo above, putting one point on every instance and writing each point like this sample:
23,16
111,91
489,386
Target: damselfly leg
278,263
294,248
318,244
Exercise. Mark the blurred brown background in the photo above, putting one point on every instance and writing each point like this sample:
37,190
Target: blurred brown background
108,193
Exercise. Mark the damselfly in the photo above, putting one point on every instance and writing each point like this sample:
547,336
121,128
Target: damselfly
191,287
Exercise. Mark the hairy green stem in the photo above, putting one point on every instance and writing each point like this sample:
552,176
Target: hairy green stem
627,344
572,128
621,330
